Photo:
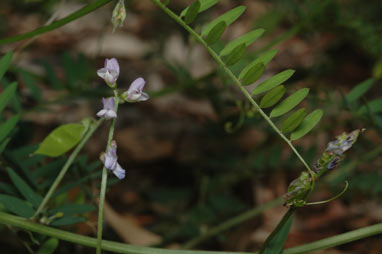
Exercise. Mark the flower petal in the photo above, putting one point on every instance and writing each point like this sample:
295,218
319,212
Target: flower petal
113,65
137,85
119,172
144,97
102,72
110,161
110,114
101,113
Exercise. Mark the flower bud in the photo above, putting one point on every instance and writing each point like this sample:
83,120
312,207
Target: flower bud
119,15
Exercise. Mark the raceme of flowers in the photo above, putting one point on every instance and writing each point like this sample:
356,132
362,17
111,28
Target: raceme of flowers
110,73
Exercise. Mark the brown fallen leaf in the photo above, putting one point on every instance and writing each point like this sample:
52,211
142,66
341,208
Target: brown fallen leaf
128,230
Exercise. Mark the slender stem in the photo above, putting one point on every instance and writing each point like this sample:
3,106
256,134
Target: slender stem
104,179
117,247
231,223
234,78
68,163
78,14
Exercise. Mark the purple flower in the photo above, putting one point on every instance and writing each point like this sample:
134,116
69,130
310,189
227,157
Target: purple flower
110,71
109,160
135,92
108,110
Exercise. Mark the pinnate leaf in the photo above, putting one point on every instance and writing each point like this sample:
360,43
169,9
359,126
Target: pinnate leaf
307,125
253,74
5,62
7,95
61,139
204,5
289,103
247,39
273,82
228,17
235,55
264,58
192,12
17,206
216,32
26,191
293,121
272,97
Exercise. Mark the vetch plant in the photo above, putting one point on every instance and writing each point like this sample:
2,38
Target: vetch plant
272,107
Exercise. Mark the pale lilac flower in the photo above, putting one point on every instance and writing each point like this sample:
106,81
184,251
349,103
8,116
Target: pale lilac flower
135,92
110,162
110,71
108,110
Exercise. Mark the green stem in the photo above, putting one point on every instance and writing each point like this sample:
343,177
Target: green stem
104,179
231,223
68,163
78,14
117,247
233,77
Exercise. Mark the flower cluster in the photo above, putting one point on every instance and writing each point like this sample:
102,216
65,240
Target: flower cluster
333,155
110,73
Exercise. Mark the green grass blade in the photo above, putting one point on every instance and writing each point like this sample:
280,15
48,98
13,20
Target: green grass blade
5,62
8,126
25,190
7,95
275,246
